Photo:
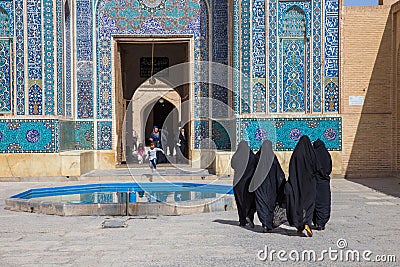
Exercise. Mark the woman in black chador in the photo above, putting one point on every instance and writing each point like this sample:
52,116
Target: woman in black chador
322,210
300,189
243,163
267,183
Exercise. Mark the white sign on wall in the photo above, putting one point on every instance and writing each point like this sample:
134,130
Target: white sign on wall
356,100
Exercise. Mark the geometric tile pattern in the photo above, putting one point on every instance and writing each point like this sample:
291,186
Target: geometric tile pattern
259,54
223,134
84,135
84,57
317,56
60,61
27,136
236,56
201,133
294,31
273,56
127,17
220,55
293,75
19,57
5,75
5,60
34,31
104,135
245,49
67,135
332,54
48,41
332,95
285,132
68,58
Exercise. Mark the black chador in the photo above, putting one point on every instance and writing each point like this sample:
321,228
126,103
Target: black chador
267,184
300,189
322,210
243,163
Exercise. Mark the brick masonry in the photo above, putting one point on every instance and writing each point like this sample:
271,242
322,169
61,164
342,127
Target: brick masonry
370,132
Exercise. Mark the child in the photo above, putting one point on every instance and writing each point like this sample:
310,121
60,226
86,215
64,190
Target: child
140,153
152,156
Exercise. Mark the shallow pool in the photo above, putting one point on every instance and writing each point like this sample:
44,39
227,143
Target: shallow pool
124,199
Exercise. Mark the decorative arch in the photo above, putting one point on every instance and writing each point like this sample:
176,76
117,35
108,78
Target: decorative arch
294,58
140,17
294,22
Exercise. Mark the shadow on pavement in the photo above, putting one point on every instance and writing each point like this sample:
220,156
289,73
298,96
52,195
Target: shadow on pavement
388,186
258,228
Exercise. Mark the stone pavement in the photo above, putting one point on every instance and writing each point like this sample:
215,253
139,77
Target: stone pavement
365,218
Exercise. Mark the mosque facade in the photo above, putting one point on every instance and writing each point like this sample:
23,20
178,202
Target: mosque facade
65,76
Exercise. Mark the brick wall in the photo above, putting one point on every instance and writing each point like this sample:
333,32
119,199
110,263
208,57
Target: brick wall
367,70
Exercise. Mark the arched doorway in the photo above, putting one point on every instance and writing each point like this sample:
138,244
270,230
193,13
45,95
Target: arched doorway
141,104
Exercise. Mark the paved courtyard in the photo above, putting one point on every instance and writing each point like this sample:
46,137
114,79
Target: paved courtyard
366,218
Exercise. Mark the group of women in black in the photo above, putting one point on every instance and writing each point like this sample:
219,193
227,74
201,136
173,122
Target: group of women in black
260,186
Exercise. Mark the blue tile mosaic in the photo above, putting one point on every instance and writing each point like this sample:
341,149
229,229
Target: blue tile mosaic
67,135
317,56
6,28
285,132
34,32
273,56
245,56
201,133
5,75
332,55
48,41
84,44
223,134
60,63
259,56
27,136
220,55
104,135
131,17
19,57
68,58
236,56
84,135
332,95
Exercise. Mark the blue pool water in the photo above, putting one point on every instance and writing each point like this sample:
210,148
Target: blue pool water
123,192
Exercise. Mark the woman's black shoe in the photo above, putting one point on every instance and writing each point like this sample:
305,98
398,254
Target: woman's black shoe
250,222
266,229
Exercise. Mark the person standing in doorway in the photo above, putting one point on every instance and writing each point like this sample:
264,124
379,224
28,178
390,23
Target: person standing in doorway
134,140
182,144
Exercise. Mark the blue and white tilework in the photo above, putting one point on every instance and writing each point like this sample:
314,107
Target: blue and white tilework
201,134
245,57
285,132
220,55
34,32
60,62
104,135
68,59
6,31
136,17
48,41
19,57
84,54
27,136
331,54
